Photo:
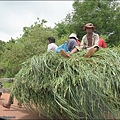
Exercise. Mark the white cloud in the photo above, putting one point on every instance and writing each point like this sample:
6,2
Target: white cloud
14,15
6,37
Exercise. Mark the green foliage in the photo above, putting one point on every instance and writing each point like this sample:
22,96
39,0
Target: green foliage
104,15
2,43
7,85
61,29
33,42
75,88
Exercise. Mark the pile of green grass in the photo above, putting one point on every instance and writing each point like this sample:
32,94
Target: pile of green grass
73,88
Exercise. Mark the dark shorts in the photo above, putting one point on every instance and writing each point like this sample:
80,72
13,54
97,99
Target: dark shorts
71,44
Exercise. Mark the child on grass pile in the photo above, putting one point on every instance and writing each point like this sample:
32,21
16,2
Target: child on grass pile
51,44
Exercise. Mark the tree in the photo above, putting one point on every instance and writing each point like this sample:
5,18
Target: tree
2,44
103,14
33,42
61,29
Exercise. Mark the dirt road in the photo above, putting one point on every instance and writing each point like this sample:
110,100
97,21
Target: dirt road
15,113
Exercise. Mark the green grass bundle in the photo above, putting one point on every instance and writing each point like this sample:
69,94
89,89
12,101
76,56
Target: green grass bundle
74,88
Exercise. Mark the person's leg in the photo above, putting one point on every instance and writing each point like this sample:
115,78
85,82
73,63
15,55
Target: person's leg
0,88
64,54
91,52
74,50
71,44
0,94
10,101
67,55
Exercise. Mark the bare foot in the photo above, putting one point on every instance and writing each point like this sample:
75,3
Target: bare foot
64,54
6,106
90,53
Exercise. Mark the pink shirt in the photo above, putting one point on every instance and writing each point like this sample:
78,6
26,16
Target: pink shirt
102,43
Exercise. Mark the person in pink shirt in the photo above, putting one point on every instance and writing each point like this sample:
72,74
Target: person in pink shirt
102,42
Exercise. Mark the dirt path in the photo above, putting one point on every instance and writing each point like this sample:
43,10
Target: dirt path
15,113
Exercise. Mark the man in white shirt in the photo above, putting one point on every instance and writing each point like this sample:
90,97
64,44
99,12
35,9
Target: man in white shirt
51,44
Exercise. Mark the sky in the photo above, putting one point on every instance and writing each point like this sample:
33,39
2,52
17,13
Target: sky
14,15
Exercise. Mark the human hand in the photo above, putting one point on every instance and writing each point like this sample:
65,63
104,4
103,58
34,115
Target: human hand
85,47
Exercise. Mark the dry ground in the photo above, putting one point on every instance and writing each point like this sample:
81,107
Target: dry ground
15,113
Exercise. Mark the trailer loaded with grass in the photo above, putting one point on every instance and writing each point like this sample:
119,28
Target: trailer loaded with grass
74,88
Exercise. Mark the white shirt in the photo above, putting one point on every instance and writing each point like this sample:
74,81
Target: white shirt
52,47
95,40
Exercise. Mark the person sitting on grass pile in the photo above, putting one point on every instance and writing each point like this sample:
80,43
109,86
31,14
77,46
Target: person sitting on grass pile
89,42
102,42
71,44
51,45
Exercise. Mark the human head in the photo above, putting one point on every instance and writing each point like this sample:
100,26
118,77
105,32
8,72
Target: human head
73,35
51,40
89,25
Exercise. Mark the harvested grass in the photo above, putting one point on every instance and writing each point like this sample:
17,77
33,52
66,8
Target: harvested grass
75,88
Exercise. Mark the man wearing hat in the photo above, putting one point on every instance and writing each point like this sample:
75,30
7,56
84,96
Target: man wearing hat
89,42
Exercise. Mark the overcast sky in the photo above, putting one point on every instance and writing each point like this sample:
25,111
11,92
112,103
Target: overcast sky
14,15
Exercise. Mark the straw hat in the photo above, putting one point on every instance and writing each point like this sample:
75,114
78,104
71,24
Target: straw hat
73,35
89,25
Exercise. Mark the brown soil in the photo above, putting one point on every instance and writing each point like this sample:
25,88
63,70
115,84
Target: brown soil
15,113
